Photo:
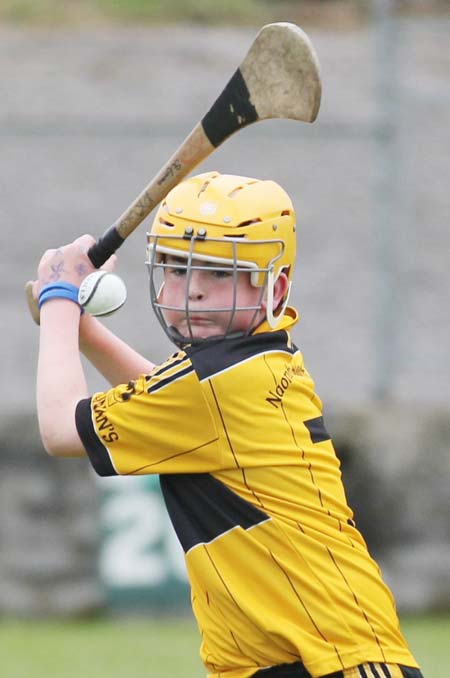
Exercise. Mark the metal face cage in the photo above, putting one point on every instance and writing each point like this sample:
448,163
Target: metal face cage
213,254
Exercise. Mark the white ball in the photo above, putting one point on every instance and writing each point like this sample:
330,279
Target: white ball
101,293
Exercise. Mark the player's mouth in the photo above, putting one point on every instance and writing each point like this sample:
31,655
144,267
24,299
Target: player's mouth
199,320
199,326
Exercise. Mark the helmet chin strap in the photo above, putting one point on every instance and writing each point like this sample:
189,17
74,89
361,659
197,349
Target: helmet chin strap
182,342
272,319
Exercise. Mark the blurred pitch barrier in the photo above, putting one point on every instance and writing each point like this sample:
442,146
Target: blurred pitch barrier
141,562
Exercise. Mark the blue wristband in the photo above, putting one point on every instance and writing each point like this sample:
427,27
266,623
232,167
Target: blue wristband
59,290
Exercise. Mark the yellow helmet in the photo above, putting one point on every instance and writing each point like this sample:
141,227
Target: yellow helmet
226,220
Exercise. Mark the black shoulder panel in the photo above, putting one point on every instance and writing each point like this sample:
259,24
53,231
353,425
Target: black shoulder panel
97,452
212,356
202,508
317,430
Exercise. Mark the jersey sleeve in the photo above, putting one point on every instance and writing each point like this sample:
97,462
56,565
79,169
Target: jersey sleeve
160,423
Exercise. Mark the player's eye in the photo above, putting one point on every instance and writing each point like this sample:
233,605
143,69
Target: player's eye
222,274
177,271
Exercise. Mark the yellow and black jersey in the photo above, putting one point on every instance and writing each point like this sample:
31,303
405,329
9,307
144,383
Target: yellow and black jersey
279,573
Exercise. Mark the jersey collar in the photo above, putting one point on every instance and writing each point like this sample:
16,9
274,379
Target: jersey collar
289,319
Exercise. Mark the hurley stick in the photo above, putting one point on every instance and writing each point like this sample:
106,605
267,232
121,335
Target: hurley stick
278,78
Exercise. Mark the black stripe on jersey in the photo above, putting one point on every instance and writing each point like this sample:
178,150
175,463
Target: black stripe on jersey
410,672
362,672
223,424
299,598
169,380
295,670
214,356
167,366
317,430
355,598
202,508
98,454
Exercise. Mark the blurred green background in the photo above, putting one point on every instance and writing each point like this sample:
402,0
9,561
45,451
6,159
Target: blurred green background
164,647
85,12
73,12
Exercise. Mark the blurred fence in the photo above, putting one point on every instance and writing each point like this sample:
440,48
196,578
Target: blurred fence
85,118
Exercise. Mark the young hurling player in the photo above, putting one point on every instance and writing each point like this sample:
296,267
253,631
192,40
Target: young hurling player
282,582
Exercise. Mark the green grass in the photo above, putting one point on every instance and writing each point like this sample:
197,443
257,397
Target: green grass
125,648
166,648
57,12
429,639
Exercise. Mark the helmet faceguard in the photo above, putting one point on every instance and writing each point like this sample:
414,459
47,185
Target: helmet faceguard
222,223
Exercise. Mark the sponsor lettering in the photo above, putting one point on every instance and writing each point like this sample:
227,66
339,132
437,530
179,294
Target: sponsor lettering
104,426
275,396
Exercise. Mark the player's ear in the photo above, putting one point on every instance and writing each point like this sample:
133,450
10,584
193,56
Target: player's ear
276,298
280,289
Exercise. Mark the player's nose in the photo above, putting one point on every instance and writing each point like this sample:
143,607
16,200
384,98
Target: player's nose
197,286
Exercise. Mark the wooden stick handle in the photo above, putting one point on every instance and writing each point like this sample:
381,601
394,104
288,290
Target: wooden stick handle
32,304
195,148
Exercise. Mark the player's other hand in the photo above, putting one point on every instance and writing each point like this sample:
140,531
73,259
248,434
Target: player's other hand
69,264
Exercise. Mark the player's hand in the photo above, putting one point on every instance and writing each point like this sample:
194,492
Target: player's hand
69,263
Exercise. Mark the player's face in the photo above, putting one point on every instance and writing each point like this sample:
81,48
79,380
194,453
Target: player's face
205,289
